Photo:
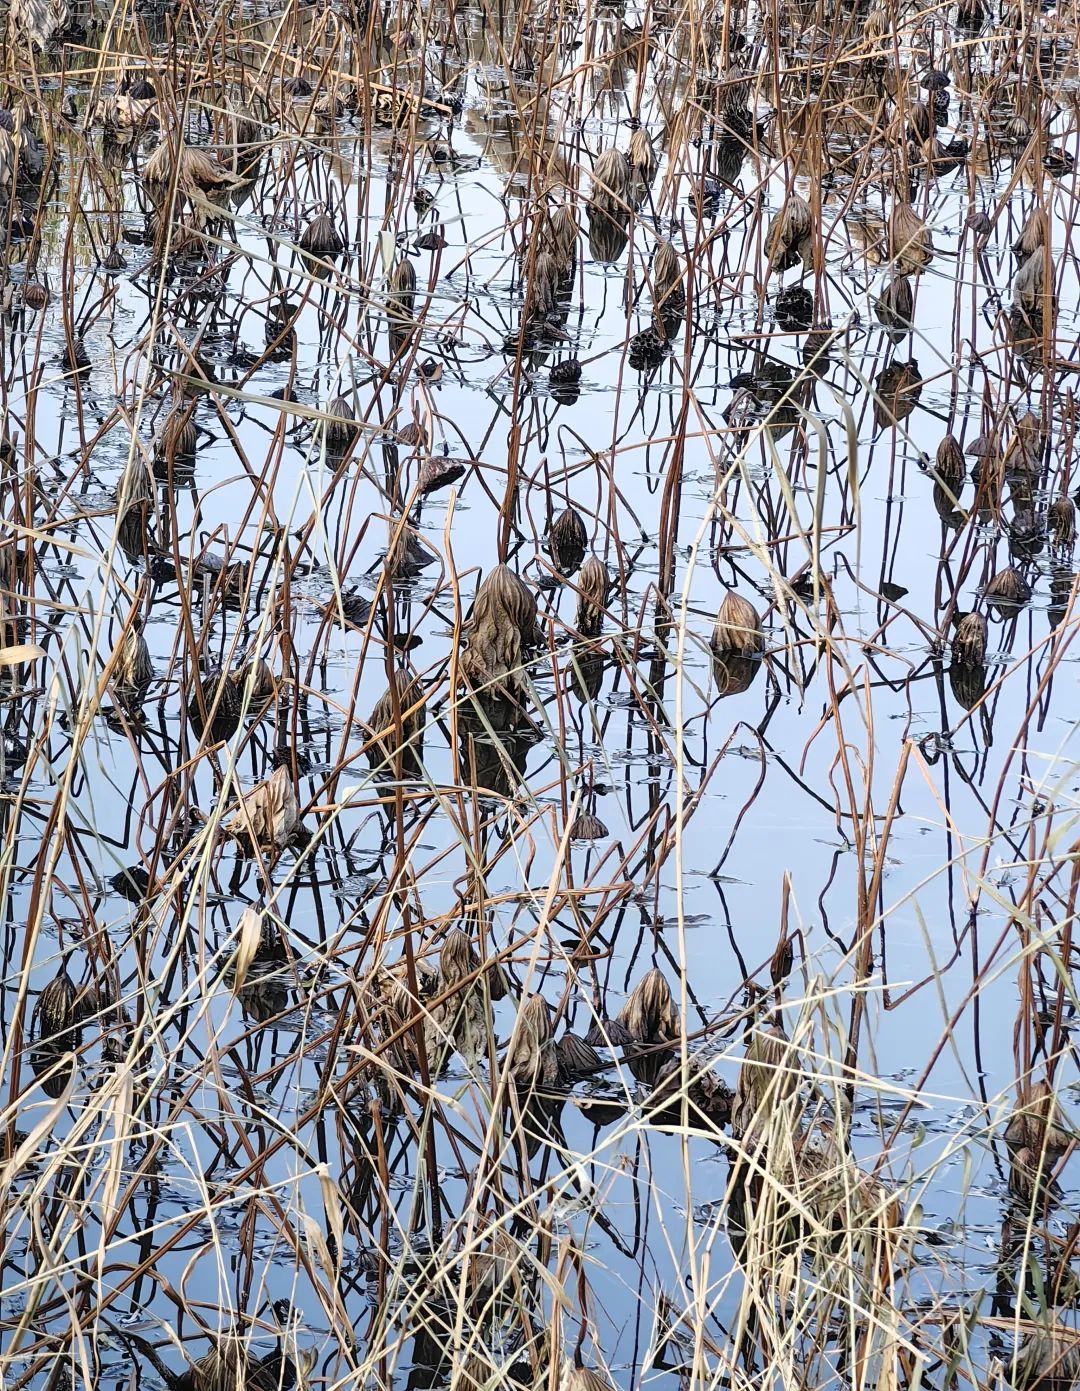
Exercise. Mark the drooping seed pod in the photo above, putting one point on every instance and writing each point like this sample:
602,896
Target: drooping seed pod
256,681
1008,590
586,827
568,541
179,438
576,1058
35,296
897,389
911,247
643,163
76,356
738,627
651,1017
438,471
531,1059
134,670
592,585
321,238
216,705
1033,235
561,236
1061,516
611,176
405,737
783,958
565,373
1029,286
790,236
920,122
55,1016
414,436
543,293
341,427
401,304
951,469
669,293
969,641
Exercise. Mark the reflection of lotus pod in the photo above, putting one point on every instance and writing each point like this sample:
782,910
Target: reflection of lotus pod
567,541
340,423
1033,235
388,738
1061,516
968,684
592,597
269,814
911,247
734,674
951,469
895,306
55,1015
607,235
738,628
969,641
322,239
1008,589
586,826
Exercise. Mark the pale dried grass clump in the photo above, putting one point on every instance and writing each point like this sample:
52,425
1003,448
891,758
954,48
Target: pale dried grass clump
500,633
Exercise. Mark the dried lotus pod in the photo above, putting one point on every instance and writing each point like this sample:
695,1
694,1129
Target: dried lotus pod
567,541
1033,235
133,670
738,628
405,739
35,295
969,641
895,306
413,436
256,680
643,163
177,441
911,247
611,175
576,1058
500,631
652,1019
531,1058
668,293
950,467
1008,590
1035,1139
789,240
216,704
321,238
542,295
269,814
56,1020
768,1075
592,586
1029,287
1061,516
438,471
340,425
897,389
401,305
564,233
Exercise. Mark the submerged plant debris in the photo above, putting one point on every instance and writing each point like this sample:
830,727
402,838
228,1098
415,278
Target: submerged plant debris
538,679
